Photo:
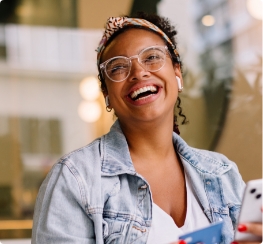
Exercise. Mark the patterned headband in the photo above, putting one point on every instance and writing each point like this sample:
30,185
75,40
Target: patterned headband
114,24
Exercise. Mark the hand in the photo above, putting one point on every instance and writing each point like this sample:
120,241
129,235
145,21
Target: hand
253,228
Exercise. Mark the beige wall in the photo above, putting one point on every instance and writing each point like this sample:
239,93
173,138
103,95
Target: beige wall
241,139
94,13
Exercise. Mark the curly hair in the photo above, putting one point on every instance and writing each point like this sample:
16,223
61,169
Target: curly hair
165,25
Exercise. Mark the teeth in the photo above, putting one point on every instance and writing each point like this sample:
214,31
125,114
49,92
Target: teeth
144,97
153,89
143,89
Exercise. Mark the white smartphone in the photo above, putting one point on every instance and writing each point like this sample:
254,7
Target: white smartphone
250,209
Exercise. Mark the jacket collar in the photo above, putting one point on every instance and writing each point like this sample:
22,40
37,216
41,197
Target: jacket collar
116,157
115,153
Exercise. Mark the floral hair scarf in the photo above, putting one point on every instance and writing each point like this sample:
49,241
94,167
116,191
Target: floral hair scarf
115,23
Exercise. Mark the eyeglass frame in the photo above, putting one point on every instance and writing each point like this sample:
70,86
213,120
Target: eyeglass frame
103,65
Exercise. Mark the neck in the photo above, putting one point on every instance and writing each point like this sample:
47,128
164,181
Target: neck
149,142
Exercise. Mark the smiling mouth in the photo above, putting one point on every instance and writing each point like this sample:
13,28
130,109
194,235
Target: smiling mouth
143,93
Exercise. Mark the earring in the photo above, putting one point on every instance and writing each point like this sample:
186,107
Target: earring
107,102
180,88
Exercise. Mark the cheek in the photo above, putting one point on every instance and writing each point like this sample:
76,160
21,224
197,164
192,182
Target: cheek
106,83
170,78
111,88
172,88
114,92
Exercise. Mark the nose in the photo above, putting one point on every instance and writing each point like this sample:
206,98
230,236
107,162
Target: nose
137,72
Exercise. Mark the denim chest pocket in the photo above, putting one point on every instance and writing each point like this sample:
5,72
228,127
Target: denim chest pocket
113,230
119,231
230,213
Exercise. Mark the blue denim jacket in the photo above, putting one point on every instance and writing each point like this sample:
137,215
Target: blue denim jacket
94,195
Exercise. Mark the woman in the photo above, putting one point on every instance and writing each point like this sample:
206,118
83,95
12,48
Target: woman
140,183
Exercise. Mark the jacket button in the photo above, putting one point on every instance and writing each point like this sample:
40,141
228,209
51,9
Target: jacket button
143,186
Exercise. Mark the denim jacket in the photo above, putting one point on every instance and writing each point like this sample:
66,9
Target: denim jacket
94,194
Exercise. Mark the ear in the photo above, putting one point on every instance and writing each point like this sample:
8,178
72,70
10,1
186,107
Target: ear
178,73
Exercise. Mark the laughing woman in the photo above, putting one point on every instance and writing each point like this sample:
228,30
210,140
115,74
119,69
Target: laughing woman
140,183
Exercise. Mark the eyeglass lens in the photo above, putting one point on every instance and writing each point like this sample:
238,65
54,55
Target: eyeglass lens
151,59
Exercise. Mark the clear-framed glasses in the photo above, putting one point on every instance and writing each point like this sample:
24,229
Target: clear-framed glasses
151,59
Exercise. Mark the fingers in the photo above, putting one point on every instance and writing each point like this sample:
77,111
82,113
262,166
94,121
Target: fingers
254,228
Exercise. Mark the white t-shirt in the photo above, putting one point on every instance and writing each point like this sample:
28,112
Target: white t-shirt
164,230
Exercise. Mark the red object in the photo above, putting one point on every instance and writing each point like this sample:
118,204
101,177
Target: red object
182,242
234,242
242,228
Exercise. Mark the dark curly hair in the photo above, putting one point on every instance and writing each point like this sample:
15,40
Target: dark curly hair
165,25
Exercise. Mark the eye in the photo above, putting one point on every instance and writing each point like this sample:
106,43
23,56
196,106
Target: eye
117,66
152,56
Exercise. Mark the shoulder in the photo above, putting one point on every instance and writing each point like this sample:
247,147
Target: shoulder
204,161
88,153
74,176
211,158
80,165
73,169
204,164
208,162
220,165
102,156
214,160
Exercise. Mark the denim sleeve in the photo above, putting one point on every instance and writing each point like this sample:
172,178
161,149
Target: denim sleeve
59,215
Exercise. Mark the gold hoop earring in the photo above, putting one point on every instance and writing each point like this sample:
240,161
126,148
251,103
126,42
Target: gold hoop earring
108,109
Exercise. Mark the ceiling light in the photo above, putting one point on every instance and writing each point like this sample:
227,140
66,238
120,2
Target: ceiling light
89,88
89,111
254,8
208,20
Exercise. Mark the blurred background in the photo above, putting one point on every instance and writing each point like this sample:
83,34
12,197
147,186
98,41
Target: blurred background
50,101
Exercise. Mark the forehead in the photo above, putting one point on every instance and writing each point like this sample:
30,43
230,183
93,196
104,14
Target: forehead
130,42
